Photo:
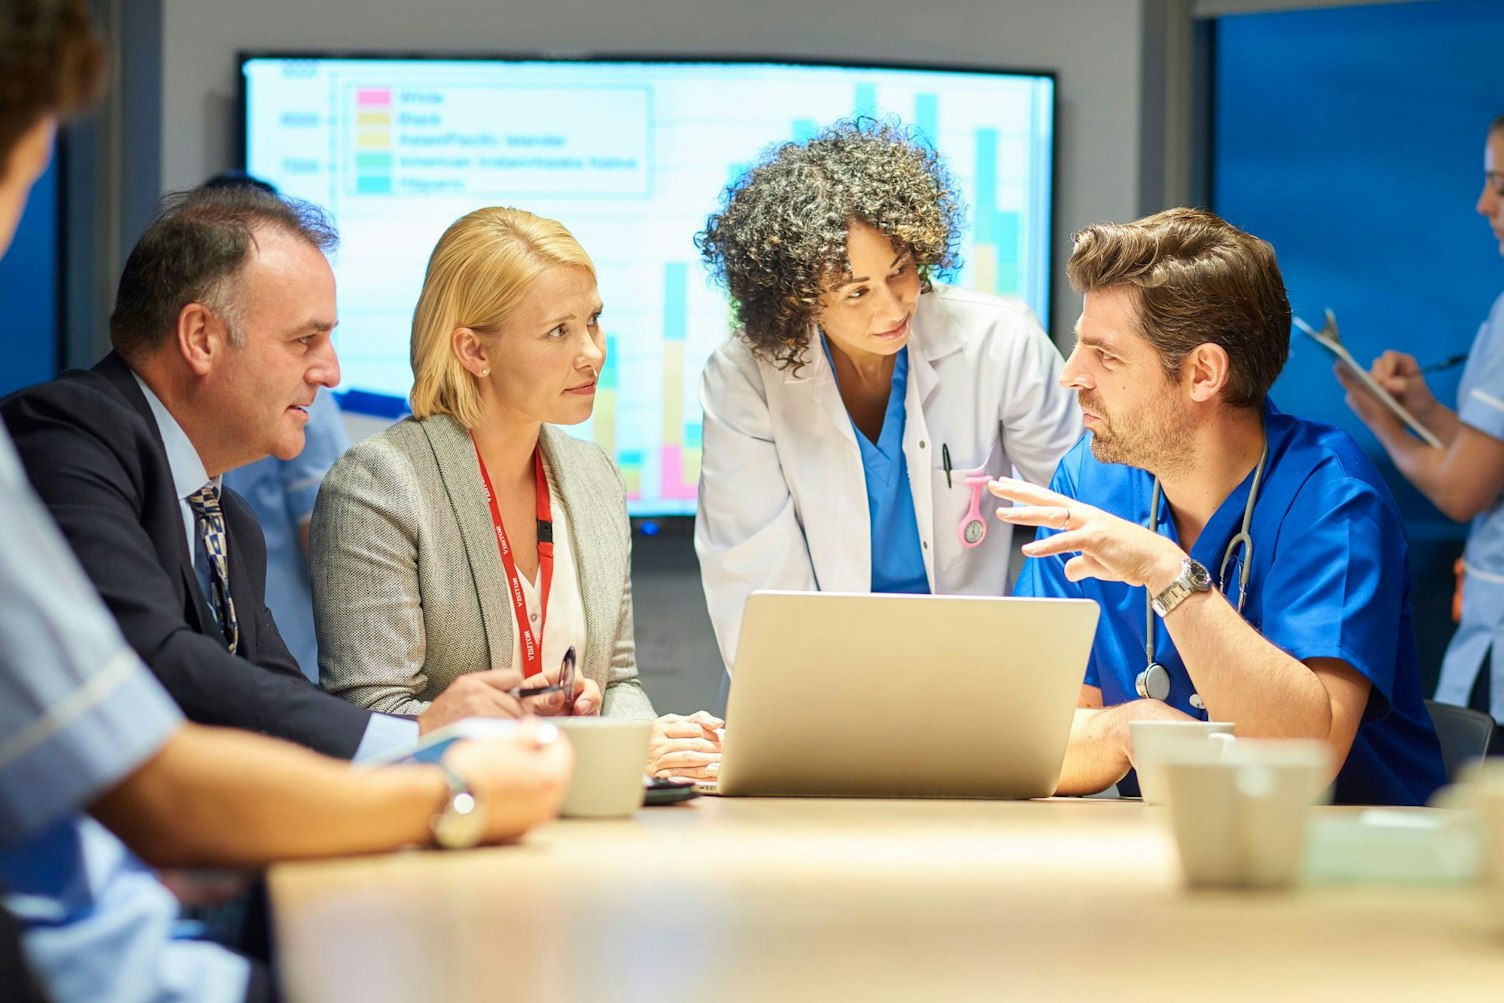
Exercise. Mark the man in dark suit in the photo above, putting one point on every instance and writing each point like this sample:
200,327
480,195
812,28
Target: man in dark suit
221,333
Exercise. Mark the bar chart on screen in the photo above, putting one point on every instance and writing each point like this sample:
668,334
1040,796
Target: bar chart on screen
631,157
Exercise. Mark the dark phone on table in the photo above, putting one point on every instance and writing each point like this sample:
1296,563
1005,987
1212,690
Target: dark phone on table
668,791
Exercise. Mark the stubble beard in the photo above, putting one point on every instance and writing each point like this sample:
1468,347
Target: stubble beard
1155,439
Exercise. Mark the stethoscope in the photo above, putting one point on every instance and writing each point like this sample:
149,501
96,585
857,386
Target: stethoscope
1154,682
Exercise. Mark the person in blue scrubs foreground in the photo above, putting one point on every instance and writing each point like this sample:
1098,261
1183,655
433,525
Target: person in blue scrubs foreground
1464,478
86,730
1263,552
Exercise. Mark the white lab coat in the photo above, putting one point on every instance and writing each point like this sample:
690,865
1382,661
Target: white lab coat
783,494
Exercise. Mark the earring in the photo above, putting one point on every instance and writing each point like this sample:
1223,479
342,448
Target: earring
485,372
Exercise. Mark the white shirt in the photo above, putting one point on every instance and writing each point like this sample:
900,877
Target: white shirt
188,473
564,624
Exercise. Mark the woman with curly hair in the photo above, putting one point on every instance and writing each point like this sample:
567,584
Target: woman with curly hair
844,417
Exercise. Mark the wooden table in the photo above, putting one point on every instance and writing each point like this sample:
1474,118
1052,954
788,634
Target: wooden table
792,899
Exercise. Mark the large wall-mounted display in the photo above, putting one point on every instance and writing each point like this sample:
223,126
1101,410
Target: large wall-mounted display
631,156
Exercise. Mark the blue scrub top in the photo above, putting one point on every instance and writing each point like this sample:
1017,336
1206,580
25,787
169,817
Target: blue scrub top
897,561
79,713
1330,579
1480,405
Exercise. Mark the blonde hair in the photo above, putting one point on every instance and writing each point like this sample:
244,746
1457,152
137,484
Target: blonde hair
479,272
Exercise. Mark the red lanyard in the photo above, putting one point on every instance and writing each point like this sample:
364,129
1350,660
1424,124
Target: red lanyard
532,643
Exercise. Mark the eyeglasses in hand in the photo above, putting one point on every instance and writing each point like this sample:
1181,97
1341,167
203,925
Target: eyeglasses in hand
563,706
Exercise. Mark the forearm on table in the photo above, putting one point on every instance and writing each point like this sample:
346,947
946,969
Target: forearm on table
389,694
1243,678
215,797
625,697
397,701
1096,756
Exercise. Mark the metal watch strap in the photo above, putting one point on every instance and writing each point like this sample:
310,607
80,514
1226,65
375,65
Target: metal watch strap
460,822
1193,577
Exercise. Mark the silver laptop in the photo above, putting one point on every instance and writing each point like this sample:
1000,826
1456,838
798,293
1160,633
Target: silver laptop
837,695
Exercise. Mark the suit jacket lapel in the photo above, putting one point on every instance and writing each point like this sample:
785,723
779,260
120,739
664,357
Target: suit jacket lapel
454,451
196,609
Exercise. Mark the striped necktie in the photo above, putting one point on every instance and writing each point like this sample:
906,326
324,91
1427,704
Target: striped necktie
211,527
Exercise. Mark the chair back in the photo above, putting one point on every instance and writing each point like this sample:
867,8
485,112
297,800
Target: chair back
16,981
1464,733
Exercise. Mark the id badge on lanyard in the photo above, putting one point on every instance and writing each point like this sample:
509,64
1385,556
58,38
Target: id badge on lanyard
532,641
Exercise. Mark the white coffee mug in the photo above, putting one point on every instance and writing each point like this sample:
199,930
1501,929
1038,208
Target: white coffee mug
1155,741
1479,795
610,755
1241,821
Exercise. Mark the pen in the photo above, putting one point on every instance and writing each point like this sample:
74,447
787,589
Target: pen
945,462
1448,363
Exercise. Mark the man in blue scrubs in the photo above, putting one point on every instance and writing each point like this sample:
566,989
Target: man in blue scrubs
1187,475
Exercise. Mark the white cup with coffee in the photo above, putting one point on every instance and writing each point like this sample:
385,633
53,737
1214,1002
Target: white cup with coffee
1240,820
1154,742
610,756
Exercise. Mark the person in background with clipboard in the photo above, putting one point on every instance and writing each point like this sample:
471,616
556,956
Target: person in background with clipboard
1464,476
1250,565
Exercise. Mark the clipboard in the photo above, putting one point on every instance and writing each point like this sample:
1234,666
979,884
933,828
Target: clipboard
1329,339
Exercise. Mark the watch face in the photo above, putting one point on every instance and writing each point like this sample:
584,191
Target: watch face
973,532
461,824
1197,576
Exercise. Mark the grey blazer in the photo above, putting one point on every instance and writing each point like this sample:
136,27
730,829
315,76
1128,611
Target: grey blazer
408,586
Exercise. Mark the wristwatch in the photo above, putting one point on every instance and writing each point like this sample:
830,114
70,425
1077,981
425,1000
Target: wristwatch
462,821
1193,577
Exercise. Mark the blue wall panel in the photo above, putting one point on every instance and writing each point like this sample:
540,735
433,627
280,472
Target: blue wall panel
29,293
1352,139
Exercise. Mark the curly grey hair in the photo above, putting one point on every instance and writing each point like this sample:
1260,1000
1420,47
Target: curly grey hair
779,241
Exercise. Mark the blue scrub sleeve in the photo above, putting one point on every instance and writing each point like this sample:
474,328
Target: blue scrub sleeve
78,710
1480,402
1339,571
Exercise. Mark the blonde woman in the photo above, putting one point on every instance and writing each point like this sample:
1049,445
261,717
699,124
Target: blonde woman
476,535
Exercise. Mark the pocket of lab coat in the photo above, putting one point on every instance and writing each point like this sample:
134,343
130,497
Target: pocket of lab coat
952,504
